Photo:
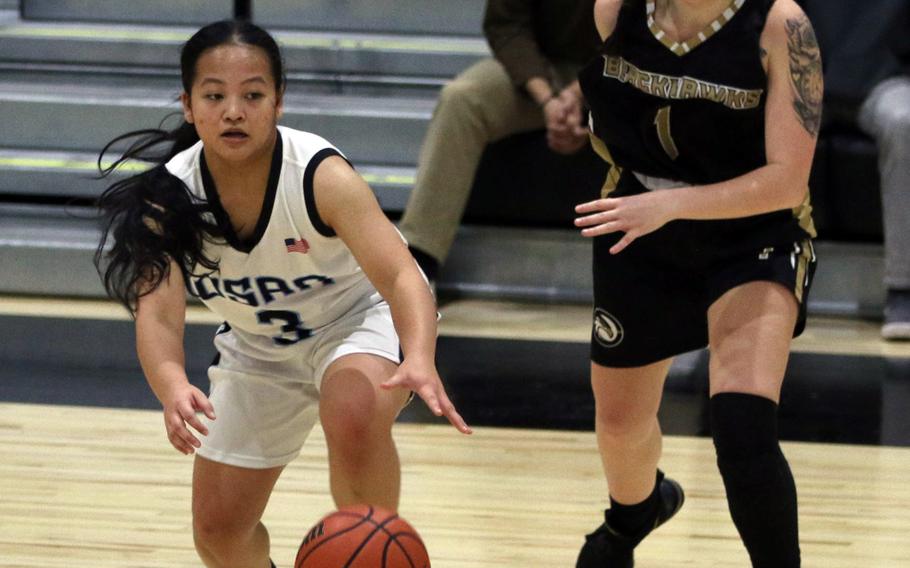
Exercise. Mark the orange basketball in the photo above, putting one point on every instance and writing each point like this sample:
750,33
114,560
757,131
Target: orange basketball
362,536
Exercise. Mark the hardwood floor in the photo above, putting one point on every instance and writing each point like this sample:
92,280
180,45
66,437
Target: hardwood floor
99,488
84,485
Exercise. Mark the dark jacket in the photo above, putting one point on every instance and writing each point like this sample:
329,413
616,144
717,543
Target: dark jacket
526,35
862,43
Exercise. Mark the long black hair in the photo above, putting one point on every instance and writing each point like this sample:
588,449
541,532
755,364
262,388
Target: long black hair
152,218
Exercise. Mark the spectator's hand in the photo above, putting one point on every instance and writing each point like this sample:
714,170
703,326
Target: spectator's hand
563,116
424,380
180,408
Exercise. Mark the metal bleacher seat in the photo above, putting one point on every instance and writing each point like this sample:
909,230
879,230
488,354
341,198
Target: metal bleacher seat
76,74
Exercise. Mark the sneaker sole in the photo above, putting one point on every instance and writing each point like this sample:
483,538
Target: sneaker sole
899,330
680,494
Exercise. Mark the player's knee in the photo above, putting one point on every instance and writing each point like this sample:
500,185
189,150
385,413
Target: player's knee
347,424
218,532
622,426
350,417
744,428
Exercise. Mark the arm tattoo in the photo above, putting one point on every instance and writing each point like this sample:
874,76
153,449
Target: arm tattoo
805,72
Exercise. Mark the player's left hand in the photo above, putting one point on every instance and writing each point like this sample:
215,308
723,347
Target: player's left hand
425,381
635,215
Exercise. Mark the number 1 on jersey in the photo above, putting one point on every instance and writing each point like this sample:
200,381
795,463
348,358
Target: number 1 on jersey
662,122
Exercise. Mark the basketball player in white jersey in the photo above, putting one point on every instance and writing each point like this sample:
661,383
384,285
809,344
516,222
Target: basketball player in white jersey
326,314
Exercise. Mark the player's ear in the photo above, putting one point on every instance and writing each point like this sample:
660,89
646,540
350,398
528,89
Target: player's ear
187,109
279,104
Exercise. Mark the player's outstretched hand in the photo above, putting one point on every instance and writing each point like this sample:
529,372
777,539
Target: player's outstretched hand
180,410
425,381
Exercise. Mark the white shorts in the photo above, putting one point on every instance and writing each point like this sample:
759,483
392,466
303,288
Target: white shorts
265,409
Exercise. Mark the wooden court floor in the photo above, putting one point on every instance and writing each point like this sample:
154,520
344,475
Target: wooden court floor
100,487
94,487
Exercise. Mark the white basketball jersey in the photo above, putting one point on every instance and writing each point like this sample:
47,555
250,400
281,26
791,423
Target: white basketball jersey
293,276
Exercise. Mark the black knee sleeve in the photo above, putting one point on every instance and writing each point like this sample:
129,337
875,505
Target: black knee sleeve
760,488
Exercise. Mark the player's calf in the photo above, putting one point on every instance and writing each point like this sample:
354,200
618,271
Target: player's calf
761,492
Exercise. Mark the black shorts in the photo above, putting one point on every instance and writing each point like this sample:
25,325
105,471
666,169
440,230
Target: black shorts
651,300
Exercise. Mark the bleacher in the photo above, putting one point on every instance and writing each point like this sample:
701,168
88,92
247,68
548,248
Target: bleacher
362,73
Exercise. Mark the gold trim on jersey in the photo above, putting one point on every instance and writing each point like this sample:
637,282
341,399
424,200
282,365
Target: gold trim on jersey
612,179
806,254
681,88
803,215
684,47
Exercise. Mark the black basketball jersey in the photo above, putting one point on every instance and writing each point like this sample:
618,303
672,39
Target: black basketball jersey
692,112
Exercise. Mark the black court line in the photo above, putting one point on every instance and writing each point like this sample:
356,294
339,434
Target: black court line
494,382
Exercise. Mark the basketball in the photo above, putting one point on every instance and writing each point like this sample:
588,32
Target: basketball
362,536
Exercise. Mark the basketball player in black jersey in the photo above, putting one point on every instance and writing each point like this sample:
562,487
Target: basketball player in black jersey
708,112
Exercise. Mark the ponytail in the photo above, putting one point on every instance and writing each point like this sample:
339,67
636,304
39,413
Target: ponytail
146,142
150,218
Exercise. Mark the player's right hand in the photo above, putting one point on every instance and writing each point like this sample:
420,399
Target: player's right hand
424,380
180,411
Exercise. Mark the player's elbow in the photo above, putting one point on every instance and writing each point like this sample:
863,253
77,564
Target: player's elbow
792,181
797,195
792,189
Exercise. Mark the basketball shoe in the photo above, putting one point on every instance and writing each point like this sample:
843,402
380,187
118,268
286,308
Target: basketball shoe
897,315
606,548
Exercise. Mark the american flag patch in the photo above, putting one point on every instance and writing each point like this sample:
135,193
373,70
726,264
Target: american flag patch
299,245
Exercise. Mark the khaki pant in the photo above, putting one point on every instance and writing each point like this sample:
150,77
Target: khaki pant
481,105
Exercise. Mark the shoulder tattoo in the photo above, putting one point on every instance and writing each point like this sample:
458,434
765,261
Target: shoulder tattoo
805,72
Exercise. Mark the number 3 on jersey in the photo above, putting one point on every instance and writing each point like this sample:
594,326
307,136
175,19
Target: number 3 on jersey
291,332
662,122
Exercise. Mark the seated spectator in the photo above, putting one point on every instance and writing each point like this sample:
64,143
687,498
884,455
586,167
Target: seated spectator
529,84
867,52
